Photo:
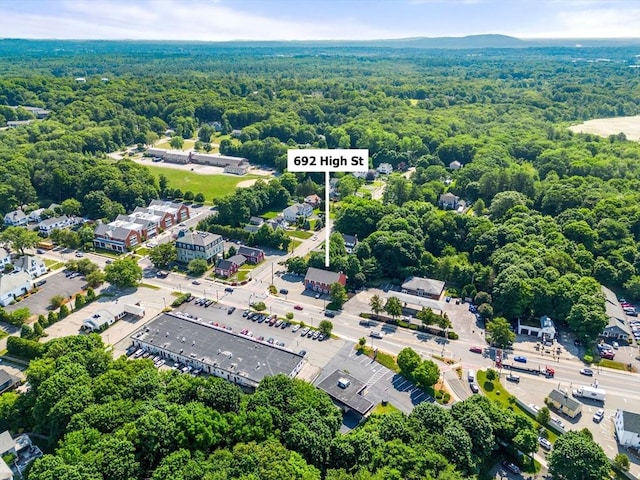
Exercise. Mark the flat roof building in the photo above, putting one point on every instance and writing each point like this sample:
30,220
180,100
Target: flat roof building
215,350
346,391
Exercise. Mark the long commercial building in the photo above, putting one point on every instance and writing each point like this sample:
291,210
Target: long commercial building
215,350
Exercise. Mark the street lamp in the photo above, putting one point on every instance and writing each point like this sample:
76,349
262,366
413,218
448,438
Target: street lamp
165,302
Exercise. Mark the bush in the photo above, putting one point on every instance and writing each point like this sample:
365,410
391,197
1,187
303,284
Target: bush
56,301
21,347
80,301
587,359
259,306
452,336
64,312
52,318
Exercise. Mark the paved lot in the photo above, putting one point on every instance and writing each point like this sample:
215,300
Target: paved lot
57,284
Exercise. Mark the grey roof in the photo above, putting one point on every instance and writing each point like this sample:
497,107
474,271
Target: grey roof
6,441
26,262
249,252
564,399
428,285
238,259
202,239
12,281
321,276
109,231
349,239
423,302
614,312
349,396
631,422
211,345
16,215
224,264
53,221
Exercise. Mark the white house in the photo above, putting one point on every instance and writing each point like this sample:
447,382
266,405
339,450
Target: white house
32,265
292,213
109,315
385,168
50,224
449,200
13,285
455,165
5,257
16,218
627,428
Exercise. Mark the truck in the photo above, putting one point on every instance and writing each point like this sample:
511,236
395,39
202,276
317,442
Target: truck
591,393
546,371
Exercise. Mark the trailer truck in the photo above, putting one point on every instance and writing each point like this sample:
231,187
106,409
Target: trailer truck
546,371
590,392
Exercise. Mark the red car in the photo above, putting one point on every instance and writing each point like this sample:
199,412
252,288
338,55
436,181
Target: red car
476,349
298,307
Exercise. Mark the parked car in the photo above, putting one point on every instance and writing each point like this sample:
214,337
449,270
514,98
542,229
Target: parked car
40,251
302,353
295,328
598,416
544,443
316,296
586,371
474,387
39,283
79,254
520,358
304,331
534,407
476,349
511,467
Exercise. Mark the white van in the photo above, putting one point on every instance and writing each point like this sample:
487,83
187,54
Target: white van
471,376
375,334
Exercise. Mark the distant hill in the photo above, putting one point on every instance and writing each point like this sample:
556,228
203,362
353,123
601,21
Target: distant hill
470,41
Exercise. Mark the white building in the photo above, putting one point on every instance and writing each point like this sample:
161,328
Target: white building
292,213
13,285
627,428
32,265
5,257
15,218
109,315
385,168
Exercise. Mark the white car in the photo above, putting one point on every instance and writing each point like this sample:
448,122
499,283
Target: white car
295,328
534,407
598,416
544,443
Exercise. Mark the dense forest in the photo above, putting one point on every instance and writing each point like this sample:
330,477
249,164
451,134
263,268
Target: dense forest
554,213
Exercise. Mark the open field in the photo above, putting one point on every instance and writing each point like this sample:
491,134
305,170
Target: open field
212,186
188,145
604,127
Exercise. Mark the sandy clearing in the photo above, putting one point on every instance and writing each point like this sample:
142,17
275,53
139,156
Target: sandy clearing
604,127
201,169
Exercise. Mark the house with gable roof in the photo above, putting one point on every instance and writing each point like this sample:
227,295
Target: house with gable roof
16,218
320,280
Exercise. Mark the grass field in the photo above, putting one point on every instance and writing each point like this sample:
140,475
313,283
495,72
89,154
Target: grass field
211,186
299,234
188,144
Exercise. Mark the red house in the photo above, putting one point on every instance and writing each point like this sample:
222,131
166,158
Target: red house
321,280
253,255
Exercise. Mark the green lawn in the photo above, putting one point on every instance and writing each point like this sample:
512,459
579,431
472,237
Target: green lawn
188,144
271,215
211,186
384,409
303,234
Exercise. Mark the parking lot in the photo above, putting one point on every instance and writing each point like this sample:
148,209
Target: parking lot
56,284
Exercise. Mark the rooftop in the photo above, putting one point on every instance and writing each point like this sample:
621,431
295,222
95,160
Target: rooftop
428,285
201,239
321,276
349,396
631,422
564,399
218,347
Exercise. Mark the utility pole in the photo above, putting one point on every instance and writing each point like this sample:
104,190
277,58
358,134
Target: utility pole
272,274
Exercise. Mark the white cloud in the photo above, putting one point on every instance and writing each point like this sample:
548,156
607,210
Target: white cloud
588,23
175,20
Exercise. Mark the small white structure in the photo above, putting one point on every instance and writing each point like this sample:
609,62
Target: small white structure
385,168
455,165
627,428
108,316
546,331
13,285
32,265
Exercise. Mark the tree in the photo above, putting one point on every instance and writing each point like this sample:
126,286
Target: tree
621,461
500,331
325,327
56,301
197,266
163,255
19,238
296,265
376,305
176,142
124,272
408,360
95,278
199,198
393,307
544,416
338,294
491,374
576,457
426,374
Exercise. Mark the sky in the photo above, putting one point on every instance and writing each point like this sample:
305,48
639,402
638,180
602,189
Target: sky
224,20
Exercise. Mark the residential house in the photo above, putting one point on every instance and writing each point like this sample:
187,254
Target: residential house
278,222
53,223
313,200
172,213
5,258
204,245
36,215
16,218
455,165
7,381
257,221
253,255
119,237
564,403
350,242
449,201
226,268
423,287
37,112
627,426
34,266
321,280
333,188
617,328
24,450
18,123
385,168
13,285
292,213
5,471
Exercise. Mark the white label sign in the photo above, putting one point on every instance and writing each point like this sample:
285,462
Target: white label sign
328,160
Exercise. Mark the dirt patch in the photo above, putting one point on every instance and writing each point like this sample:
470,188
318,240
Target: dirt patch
246,183
604,127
